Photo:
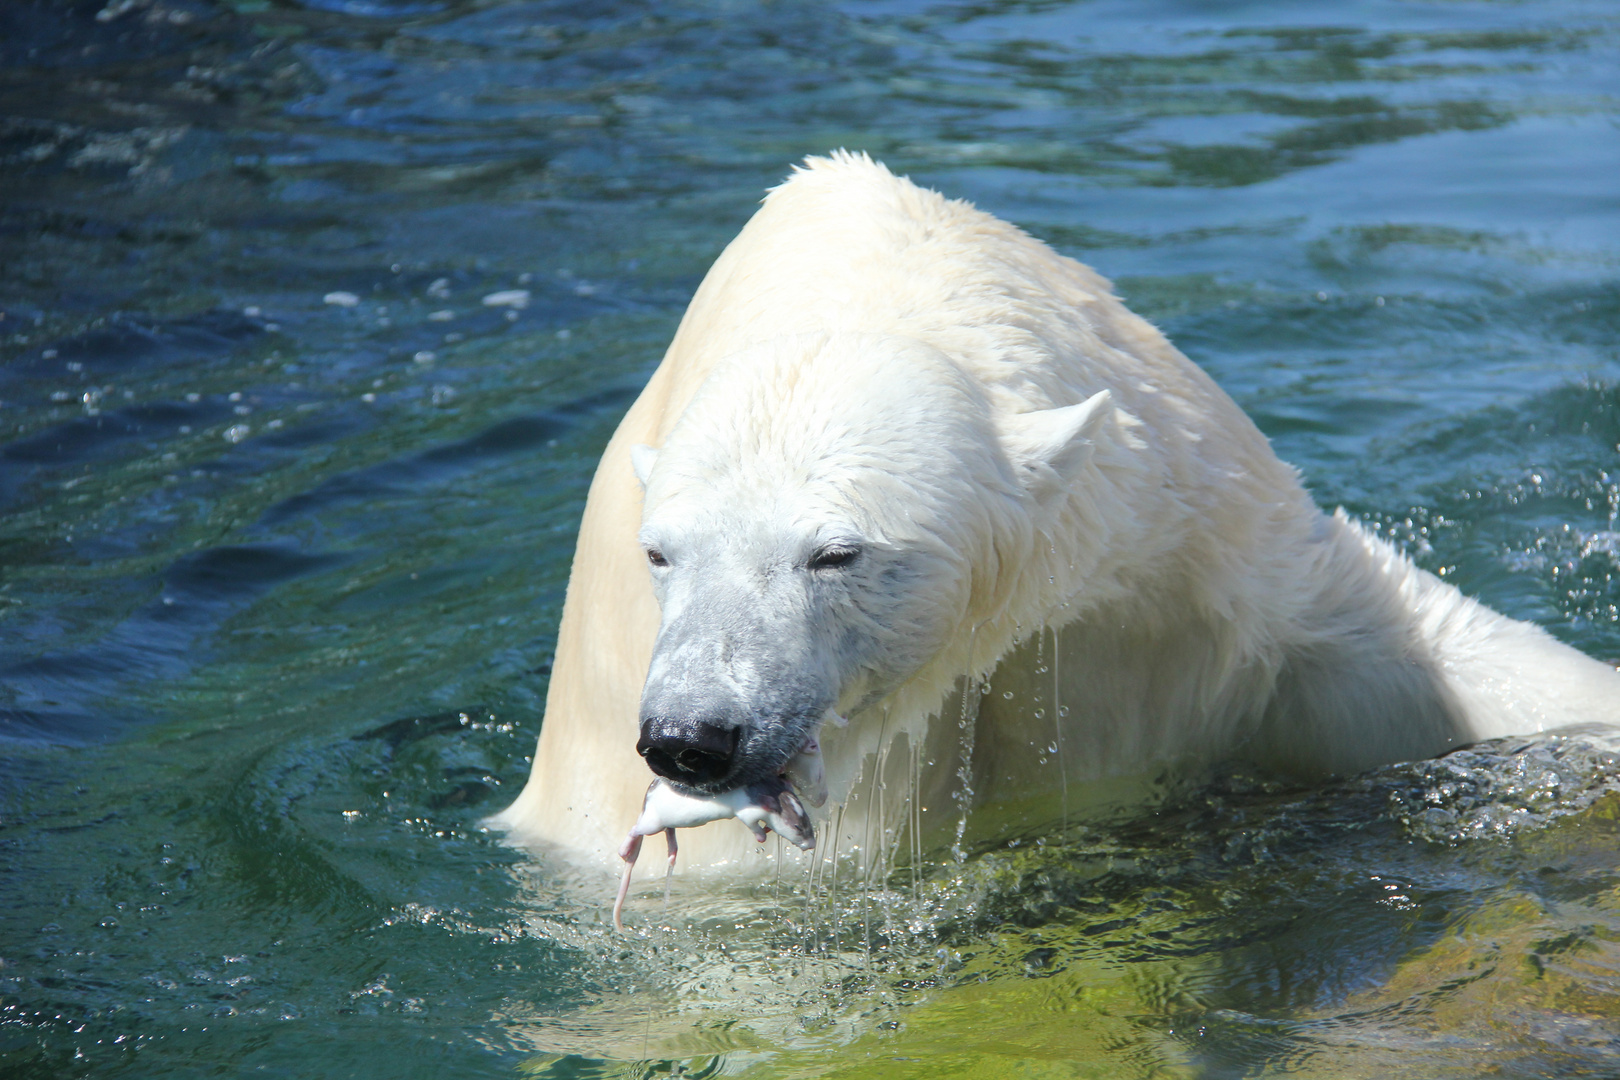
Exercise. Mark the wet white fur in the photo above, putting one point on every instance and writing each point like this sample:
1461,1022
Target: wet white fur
1054,463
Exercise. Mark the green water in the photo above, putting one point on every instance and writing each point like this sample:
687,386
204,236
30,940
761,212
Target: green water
281,576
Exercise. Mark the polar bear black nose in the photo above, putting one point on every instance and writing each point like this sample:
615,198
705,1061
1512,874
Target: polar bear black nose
688,752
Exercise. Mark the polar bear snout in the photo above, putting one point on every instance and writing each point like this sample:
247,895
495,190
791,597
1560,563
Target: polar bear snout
695,753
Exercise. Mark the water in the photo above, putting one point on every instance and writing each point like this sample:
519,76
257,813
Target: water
282,576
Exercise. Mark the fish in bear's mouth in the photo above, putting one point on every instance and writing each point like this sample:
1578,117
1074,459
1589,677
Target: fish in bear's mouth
774,805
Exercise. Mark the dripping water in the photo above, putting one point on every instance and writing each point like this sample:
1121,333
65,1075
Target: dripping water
872,847
1057,728
832,887
967,729
914,805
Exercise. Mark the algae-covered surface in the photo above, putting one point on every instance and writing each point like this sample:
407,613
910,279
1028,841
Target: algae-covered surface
316,314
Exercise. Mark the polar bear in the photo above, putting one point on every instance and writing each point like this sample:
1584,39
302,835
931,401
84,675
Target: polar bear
904,464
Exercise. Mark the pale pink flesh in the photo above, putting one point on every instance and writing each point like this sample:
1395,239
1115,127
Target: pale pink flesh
630,852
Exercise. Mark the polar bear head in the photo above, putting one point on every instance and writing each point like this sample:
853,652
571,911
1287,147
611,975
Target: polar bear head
826,513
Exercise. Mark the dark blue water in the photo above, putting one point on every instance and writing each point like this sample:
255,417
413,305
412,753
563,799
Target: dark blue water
286,510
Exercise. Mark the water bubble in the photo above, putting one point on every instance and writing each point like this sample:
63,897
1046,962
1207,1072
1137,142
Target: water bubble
341,299
1008,695
237,432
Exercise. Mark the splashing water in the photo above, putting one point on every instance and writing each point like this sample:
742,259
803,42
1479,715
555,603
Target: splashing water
1180,899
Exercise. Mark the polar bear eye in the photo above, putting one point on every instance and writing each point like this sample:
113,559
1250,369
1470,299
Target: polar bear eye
833,558
656,557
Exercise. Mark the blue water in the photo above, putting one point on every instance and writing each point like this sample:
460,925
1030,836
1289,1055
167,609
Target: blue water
286,513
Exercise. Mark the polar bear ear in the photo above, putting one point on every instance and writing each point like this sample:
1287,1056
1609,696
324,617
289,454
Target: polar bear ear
642,459
1051,446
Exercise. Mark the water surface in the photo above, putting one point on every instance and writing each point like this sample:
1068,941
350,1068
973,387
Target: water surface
288,492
